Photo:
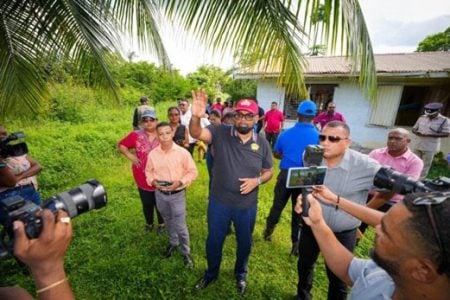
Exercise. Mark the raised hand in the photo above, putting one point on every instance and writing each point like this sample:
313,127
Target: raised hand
199,102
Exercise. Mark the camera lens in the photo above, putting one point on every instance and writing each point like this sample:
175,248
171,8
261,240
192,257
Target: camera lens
83,198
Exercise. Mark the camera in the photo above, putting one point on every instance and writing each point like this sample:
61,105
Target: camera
11,145
164,183
81,199
389,179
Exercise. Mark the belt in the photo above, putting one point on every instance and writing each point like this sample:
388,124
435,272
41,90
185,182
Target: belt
171,192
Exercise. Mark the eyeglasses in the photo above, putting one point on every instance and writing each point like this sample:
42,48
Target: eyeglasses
147,119
331,138
430,201
247,117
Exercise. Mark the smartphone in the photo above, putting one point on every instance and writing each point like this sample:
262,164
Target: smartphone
305,177
164,183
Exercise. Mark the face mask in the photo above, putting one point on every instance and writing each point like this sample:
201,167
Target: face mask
243,129
431,112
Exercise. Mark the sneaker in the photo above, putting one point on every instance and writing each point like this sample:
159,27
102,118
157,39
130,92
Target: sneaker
169,250
161,229
149,228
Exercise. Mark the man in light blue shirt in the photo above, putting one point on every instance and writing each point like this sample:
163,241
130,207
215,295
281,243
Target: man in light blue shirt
410,259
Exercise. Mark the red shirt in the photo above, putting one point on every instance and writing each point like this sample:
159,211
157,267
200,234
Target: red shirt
139,141
273,119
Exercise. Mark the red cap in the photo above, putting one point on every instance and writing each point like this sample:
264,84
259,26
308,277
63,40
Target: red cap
247,105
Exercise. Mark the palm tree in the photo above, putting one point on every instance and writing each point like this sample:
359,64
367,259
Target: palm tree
89,31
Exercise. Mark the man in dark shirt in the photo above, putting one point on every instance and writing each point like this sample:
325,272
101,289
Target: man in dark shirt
242,161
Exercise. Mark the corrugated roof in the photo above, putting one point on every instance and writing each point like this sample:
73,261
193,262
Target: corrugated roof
417,62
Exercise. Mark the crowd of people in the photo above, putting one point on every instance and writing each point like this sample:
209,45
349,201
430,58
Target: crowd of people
411,250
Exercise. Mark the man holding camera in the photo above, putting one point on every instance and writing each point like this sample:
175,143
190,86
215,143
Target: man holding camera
288,147
350,174
410,259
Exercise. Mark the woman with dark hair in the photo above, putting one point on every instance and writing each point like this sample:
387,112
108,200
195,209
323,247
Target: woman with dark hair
141,142
181,136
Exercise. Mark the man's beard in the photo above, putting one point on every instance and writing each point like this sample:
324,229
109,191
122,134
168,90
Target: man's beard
243,129
391,267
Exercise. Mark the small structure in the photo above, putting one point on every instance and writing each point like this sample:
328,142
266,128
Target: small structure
406,82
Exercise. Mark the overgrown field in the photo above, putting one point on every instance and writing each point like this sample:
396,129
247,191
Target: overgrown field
111,257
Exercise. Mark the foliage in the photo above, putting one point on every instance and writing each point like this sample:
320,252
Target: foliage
241,88
210,78
89,34
436,42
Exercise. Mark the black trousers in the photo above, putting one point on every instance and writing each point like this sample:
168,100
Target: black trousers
272,138
148,206
308,253
281,196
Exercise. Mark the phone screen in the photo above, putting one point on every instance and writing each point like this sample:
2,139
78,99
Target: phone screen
305,177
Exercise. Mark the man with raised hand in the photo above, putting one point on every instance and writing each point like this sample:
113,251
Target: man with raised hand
242,162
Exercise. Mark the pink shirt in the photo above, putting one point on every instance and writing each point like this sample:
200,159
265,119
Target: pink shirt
171,165
139,141
408,163
217,106
324,118
273,119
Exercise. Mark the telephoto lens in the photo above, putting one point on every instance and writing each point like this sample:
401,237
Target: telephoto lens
83,198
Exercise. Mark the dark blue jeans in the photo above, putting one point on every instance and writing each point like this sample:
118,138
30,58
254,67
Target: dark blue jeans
220,217
27,192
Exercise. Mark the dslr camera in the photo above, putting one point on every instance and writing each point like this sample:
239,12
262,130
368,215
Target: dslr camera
81,199
12,145
391,180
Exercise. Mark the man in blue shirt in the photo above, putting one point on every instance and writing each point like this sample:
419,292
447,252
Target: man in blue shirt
410,259
289,148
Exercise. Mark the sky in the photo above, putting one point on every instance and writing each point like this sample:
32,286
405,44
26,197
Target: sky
394,26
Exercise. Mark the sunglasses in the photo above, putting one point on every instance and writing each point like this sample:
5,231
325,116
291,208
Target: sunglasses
147,119
247,117
331,138
429,202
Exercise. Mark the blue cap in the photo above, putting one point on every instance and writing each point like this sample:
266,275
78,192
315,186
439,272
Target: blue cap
148,113
307,108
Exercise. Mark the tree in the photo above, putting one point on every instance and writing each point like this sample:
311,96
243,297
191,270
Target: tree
211,78
89,33
436,42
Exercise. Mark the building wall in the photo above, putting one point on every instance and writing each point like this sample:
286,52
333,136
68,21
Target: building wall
267,92
351,102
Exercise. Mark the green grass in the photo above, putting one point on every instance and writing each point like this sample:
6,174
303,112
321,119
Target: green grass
111,257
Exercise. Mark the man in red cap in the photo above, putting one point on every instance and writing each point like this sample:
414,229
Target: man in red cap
430,128
242,162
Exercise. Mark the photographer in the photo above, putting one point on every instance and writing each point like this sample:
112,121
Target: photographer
409,260
45,257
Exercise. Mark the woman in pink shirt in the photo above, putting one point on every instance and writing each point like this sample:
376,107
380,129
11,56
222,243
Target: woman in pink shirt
143,141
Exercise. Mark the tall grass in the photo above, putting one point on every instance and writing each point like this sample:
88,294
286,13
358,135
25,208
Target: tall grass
111,257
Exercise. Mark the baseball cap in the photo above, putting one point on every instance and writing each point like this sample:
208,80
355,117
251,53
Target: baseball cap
433,106
247,105
307,108
148,114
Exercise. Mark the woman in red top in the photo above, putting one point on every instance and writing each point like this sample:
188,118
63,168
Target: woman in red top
143,141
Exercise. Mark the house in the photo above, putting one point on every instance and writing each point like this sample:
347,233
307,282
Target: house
406,82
